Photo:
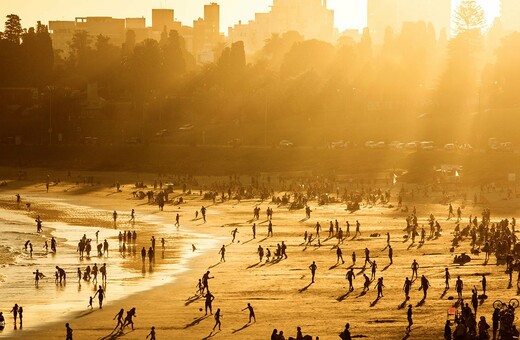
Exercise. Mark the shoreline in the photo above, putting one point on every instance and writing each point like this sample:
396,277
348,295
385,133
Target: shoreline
163,273
280,290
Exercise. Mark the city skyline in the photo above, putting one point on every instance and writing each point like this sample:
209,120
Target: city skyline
349,14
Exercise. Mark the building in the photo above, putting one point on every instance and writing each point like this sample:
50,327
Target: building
206,34
510,15
393,13
163,19
107,26
61,34
310,18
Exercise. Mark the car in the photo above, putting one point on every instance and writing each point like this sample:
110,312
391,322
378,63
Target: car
411,146
506,147
162,133
427,145
286,143
450,147
338,145
370,144
235,142
186,127
380,145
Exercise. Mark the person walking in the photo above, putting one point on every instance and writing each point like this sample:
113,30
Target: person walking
217,319
409,315
69,332
251,312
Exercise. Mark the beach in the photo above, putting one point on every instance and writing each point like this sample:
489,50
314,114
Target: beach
279,291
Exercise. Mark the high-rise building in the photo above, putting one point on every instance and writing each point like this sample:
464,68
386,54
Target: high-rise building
393,13
310,18
162,18
510,15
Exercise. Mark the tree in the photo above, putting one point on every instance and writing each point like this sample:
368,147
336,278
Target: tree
13,29
469,16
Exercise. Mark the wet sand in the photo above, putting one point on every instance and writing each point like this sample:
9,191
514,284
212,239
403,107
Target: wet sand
281,292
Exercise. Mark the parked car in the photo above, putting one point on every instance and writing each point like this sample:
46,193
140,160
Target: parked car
427,145
286,143
338,145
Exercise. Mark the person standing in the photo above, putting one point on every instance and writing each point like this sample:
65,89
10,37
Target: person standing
380,286
208,302
254,230
390,254
14,310
406,288
447,278
415,268
313,267
459,287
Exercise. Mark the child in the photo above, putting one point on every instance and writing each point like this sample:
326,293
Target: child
90,302
152,334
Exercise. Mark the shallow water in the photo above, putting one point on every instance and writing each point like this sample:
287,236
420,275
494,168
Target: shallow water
49,301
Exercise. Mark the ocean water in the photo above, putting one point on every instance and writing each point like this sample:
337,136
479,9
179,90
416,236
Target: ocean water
50,301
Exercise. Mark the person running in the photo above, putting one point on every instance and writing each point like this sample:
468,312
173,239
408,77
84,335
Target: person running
350,277
69,332
409,314
251,312
119,317
339,254
208,302
217,319
415,268
313,267
222,253
447,278
151,335
128,319
100,293
425,284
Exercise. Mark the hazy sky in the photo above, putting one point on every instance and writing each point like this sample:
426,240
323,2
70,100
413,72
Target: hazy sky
349,13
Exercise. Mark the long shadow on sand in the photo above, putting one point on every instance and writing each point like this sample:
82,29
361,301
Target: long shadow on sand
301,290
213,266
343,297
253,265
196,321
211,334
192,299
241,328
114,334
373,303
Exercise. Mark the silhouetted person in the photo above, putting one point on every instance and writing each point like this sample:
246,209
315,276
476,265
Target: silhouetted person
128,319
447,278
69,332
234,234
350,276
151,335
345,335
409,314
217,320
339,254
390,254
101,295
484,284
425,284
119,317
14,310
208,302
447,330
222,253
406,288
251,312
459,286
313,268
415,268
254,230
